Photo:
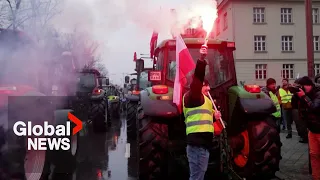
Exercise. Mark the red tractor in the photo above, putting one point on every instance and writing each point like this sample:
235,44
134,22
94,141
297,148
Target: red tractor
252,148
25,76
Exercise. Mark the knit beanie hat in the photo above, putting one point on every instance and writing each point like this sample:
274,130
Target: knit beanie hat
306,81
270,81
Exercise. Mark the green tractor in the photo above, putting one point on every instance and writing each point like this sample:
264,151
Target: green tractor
252,148
132,98
114,101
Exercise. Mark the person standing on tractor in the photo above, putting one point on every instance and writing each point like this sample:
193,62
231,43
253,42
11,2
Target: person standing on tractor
271,91
199,114
285,97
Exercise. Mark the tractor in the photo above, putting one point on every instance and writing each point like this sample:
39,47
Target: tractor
113,96
245,110
28,78
90,91
132,98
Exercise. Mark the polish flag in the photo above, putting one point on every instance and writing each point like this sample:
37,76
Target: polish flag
153,43
184,64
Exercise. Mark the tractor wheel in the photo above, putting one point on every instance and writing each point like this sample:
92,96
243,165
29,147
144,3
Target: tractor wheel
98,114
153,141
131,119
264,150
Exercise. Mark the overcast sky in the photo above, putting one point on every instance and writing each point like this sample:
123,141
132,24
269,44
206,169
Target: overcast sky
121,27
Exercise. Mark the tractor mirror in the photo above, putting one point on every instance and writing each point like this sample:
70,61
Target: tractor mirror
126,79
107,81
139,65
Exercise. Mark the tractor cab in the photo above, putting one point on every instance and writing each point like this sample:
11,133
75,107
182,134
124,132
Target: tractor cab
220,71
245,109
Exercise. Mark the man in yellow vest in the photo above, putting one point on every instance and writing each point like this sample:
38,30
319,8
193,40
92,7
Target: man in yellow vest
271,91
199,119
285,100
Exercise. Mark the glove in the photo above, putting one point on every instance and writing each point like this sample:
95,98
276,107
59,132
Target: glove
217,128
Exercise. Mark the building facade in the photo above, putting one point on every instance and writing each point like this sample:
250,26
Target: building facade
270,37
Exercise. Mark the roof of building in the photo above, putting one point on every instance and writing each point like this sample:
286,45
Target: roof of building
223,2
199,41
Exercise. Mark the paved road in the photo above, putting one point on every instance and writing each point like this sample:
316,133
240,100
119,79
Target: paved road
104,156
295,162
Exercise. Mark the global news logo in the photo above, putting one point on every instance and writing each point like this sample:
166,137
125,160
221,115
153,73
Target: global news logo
48,136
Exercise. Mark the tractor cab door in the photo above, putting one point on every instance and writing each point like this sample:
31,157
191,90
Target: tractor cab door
221,76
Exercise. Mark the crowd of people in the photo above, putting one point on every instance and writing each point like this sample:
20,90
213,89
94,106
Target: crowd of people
299,103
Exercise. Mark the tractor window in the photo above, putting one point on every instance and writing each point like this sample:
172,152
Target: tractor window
144,83
159,65
86,81
217,71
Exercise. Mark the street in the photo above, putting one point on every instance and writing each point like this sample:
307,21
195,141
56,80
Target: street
295,163
103,156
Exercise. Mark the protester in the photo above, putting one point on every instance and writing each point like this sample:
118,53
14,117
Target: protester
310,96
271,91
299,119
198,112
285,97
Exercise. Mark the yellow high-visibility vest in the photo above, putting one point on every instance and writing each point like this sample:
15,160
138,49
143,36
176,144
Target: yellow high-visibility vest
199,119
275,100
285,96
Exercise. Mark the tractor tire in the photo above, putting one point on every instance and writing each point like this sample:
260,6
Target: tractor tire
131,119
264,150
153,143
98,114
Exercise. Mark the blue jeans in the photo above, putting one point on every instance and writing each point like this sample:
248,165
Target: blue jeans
198,158
287,119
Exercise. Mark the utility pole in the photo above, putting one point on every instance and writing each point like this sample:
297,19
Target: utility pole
309,37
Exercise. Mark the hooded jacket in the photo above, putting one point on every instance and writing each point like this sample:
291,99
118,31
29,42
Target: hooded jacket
311,102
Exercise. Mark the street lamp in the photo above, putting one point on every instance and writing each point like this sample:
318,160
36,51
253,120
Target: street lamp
309,37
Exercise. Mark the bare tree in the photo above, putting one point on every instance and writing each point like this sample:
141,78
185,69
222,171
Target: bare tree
13,8
100,66
28,14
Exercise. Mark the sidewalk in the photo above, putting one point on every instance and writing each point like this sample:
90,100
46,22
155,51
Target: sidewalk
295,161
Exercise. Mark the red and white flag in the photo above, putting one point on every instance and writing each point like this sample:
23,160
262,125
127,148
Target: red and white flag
153,43
184,64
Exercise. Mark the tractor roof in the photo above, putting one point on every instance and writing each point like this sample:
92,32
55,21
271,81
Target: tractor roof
91,70
199,41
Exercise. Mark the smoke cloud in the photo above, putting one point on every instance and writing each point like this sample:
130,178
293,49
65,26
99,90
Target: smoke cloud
125,26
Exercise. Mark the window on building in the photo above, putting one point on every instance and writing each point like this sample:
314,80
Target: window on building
287,43
259,43
316,43
316,69
286,15
258,15
287,71
261,71
218,26
225,21
315,15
